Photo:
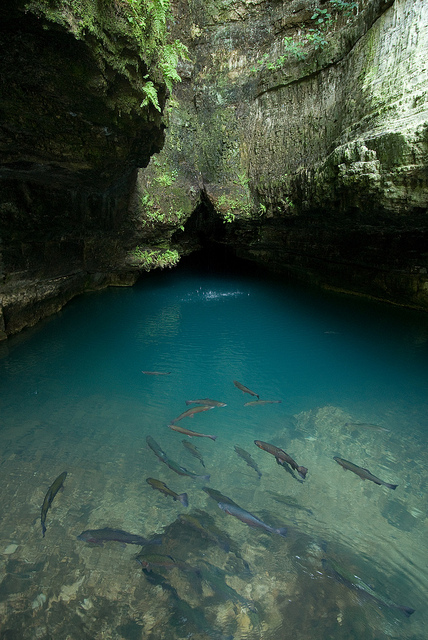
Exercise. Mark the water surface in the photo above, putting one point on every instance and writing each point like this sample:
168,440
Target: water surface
351,376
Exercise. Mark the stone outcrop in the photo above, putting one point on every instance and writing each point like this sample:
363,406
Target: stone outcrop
298,138
72,136
308,156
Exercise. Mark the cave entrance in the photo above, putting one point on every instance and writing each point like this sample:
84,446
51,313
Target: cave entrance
205,233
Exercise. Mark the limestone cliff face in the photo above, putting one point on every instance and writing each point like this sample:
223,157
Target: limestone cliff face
72,135
304,144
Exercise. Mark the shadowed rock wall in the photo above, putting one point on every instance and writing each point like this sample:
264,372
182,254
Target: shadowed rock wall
72,134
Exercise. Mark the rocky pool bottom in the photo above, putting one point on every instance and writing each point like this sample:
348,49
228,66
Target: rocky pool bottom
238,581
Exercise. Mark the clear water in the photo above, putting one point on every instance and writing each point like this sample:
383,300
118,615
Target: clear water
73,398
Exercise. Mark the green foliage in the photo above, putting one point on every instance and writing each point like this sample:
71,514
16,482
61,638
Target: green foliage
348,8
150,95
322,16
147,259
317,38
152,213
231,207
167,179
117,28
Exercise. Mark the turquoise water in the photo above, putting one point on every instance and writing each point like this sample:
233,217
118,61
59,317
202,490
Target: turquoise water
352,378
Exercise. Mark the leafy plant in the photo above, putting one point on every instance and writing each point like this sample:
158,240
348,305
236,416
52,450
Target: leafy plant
150,95
347,7
147,259
321,16
144,24
317,38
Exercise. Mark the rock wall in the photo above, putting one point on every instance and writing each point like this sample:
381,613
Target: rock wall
72,133
307,157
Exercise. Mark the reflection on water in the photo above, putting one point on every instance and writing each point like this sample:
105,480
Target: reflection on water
352,379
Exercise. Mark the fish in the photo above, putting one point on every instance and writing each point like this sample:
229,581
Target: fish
248,518
174,466
151,561
50,495
217,579
157,373
161,486
191,412
206,530
191,434
182,471
281,457
99,536
354,582
366,425
364,474
156,448
194,451
240,386
207,402
218,497
248,459
254,403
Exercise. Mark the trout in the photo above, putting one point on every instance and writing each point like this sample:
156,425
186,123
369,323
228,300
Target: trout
352,581
191,412
207,402
194,451
281,457
248,518
254,403
157,373
240,386
218,497
50,495
187,432
99,536
174,466
161,486
364,474
248,459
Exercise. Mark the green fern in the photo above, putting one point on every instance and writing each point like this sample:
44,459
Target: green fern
150,96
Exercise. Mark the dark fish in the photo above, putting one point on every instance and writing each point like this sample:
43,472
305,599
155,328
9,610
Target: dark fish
194,451
216,578
363,473
248,459
281,457
156,448
240,386
50,495
366,425
182,471
207,402
191,412
254,403
352,581
161,486
206,530
99,536
157,373
248,518
191,434
174,466
218,497
151,561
